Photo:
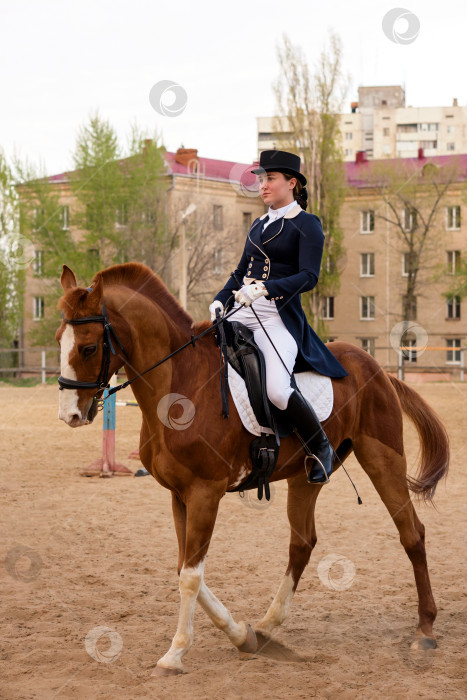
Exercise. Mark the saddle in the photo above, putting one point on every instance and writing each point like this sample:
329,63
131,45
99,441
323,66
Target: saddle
238,347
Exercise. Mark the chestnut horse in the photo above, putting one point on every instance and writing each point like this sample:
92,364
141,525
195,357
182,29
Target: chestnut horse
210,455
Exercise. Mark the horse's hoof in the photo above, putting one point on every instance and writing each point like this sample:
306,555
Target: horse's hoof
165,671
250,645
424,643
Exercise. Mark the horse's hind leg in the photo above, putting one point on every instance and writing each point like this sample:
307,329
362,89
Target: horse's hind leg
387,470
301,501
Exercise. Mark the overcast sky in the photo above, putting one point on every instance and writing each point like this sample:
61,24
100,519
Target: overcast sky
62,59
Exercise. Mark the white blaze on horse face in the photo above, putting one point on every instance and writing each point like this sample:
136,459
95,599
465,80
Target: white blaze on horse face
68,398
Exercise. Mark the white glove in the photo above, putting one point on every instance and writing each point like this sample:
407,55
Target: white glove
249,292
216,305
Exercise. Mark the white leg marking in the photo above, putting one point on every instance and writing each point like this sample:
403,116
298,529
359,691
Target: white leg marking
68,398
279,607
221,617
190,581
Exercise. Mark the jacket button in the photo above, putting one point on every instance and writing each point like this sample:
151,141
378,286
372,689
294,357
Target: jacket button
249,272
264,276
266,260
265,267
252,257
250,265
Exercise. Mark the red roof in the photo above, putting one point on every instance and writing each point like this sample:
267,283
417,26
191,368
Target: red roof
356,173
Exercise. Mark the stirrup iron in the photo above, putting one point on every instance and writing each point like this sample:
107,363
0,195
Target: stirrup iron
315,483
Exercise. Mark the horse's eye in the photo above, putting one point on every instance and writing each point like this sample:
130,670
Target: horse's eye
89,350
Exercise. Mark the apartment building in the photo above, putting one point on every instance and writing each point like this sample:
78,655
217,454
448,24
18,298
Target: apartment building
368,309
381,125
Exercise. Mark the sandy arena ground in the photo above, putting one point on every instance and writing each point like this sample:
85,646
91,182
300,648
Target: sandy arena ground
104,553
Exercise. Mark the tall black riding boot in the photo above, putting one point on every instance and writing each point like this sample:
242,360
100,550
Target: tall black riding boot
305,420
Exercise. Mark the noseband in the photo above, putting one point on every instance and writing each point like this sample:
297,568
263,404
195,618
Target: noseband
102,381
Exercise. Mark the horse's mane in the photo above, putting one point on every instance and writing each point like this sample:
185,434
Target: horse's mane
142,279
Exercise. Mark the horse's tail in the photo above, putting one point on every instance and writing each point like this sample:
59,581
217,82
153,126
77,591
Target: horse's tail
434,441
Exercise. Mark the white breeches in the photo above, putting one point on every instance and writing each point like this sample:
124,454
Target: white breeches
277,379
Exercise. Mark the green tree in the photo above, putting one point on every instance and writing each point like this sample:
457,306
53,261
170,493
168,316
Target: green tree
14,253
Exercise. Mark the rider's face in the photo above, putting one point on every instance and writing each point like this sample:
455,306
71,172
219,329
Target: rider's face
275,190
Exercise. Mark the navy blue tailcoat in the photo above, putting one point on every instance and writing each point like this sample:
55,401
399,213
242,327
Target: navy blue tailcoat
287,258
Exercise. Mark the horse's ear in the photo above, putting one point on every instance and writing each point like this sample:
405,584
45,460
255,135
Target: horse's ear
67,279
95,295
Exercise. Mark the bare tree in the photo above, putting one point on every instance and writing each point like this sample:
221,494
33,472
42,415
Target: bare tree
411,196
309,108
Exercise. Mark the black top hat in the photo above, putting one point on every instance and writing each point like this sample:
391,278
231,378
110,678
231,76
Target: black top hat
280,161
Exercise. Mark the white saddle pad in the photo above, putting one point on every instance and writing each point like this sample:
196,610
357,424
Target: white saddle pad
315,387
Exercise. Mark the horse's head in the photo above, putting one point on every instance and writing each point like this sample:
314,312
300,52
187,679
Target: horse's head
90,351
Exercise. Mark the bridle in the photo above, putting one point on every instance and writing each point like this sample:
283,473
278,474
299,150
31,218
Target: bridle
102,381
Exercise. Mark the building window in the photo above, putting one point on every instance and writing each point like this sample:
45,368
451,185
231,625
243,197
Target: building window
368,344
426,145
386,131
410,355
406,128
409,308
348,135
429,126
65,217
409,219
450,146
451,129
367,264
405,264
38,308
217,266
349,152
453,307
367,308
453,261
453,218
217,217
246,221
327,308
38,262
367,221
453,355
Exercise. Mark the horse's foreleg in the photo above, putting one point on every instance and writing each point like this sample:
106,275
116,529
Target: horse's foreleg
240,634
301,501
201,511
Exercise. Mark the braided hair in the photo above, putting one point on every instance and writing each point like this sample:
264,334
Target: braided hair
299,191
